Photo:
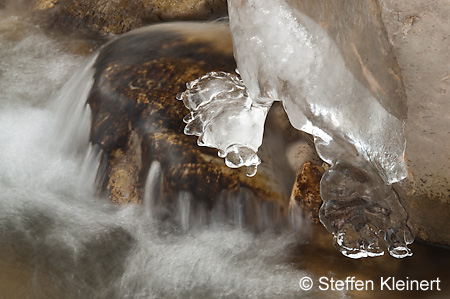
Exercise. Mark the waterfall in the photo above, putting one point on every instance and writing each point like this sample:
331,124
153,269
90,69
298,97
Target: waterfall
152,191
73,115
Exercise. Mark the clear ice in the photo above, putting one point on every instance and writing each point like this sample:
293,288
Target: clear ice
224,117
282,55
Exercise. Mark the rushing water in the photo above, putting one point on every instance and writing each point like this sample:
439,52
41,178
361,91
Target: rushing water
59,240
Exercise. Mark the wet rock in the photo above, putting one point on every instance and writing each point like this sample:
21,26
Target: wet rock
107,17
137,119
306,190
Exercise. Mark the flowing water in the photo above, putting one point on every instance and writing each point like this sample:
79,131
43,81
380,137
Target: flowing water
59,240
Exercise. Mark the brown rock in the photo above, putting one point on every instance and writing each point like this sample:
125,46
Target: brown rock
137,119
107,17
306,190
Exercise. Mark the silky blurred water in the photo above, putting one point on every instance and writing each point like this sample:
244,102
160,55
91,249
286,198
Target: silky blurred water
59,240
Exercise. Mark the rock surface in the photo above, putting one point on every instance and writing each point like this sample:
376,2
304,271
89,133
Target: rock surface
306,191
420,34
107,17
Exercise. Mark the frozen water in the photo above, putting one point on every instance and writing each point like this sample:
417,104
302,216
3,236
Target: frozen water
282,55
358,205
224,117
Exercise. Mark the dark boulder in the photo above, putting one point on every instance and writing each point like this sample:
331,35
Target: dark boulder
137,119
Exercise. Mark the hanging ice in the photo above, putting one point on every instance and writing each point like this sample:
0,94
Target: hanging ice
282,55
224,117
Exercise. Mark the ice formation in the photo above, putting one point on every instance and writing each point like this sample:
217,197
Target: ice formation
282,55
224,117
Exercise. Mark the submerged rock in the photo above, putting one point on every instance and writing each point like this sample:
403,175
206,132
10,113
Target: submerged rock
114,17
137,121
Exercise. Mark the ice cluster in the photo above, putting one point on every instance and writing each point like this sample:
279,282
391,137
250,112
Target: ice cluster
283,55
224,117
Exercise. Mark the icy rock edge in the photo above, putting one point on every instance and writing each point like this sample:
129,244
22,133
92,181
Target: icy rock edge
282,55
